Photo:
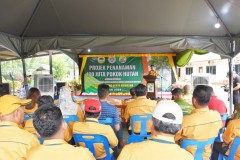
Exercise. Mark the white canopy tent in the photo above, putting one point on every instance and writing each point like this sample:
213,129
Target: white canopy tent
118,26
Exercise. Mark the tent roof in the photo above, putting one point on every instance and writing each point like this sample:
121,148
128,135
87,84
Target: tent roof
30,26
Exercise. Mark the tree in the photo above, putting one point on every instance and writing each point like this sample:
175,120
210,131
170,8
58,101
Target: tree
160,62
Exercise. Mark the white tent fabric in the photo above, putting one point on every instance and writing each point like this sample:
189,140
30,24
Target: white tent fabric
118,26
127,44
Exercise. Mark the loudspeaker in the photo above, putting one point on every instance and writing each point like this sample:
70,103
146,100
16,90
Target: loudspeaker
5,89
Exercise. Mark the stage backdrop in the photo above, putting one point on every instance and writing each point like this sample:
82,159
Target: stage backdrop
120,72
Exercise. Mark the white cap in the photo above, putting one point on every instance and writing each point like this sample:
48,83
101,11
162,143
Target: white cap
167,106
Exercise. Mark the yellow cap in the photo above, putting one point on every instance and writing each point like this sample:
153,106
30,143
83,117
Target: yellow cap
9,103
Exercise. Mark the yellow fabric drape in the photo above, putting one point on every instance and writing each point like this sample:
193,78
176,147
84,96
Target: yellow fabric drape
170,59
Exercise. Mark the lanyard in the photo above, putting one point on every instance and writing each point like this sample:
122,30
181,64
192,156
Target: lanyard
5,125
91,121
54,144
162,141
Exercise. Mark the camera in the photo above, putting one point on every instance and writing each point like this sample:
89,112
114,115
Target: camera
225,88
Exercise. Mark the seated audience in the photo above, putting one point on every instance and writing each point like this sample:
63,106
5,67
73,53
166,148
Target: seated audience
28,124
13,139
133,94
232,131
217,104
140,105
49,124
166,122
67,105
177,94
42,101
33,94
110,111
202,123
93,110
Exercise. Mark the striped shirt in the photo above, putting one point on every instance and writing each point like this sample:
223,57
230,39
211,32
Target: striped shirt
111,111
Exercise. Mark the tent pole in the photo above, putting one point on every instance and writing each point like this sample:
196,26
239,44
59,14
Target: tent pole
230,78
231,109
74,71
25,76
0,73
50,61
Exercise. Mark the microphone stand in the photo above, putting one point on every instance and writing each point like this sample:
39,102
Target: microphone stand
161,84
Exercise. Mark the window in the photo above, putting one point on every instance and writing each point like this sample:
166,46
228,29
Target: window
211,69
237,68
189,70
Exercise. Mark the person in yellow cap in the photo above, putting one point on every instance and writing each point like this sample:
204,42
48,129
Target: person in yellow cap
13,139
49,124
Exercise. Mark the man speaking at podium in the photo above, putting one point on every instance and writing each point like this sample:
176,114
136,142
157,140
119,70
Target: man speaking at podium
153,71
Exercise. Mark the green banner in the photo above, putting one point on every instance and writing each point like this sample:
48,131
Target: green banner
120,73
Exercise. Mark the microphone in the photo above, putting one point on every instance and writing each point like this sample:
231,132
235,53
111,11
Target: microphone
162,77
11,76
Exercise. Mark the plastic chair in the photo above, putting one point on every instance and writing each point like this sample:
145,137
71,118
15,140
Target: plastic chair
70,118
90,139
40,140
28,116
107,121
143,119
221,131
224,118
199,144
233,150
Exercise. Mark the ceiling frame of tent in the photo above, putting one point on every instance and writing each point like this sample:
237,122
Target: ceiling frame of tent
209,4
31,18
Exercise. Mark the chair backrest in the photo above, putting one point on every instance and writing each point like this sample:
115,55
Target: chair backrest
90,139
107,121
199,144
39,138
143,119
137,138
224,118
234,148
28,116
68,118
221,130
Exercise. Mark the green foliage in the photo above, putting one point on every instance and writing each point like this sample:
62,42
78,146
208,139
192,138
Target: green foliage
60,65
74,85
160,62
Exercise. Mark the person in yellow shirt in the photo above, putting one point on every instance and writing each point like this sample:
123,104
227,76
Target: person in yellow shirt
202,123
43,100
153,71
232,131
166,122
91,126
49,124
14,140
140,105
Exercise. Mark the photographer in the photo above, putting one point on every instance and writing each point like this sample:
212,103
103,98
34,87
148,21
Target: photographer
236,92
